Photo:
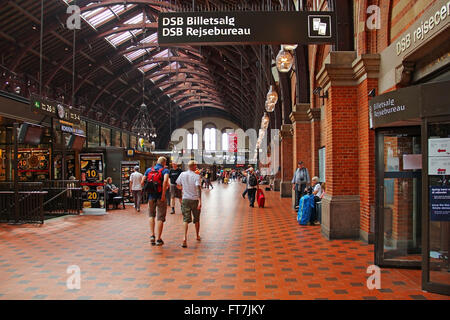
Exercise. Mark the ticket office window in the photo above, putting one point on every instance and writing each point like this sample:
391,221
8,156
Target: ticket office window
399,187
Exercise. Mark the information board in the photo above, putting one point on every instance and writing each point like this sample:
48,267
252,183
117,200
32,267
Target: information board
92,183
54,109
440,203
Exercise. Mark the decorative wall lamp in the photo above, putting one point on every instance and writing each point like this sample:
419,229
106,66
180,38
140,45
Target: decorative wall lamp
284,60
317,91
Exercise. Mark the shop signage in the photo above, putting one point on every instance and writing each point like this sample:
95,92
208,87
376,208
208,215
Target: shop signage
55,109
423,29
395,107
93,194
225,28
126,169
440,203
70,129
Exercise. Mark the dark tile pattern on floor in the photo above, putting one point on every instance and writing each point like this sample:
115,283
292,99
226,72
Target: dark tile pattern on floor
245,253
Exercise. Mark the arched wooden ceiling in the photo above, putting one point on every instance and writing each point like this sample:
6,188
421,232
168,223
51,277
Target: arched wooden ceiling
117,43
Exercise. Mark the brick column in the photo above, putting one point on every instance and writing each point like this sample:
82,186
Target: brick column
349,144
286,161
314,117
301,129
366,68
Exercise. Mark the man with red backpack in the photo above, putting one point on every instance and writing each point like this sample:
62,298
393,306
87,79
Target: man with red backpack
156,183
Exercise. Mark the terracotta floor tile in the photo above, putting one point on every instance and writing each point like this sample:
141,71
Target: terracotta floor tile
245,253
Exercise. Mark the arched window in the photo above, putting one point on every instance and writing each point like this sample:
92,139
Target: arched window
189,141
224,141
192,141
210,139
195,141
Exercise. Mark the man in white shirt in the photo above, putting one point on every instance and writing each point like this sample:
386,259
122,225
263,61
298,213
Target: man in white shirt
136,188
191,204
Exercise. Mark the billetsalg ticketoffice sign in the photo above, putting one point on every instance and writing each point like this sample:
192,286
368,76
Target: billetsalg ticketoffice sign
224,28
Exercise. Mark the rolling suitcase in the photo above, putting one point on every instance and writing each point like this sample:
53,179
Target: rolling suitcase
260,198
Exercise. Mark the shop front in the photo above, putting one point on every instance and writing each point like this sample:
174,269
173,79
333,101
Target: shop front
412,220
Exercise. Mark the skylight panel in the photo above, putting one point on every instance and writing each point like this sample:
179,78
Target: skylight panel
163,54
150,39
135,54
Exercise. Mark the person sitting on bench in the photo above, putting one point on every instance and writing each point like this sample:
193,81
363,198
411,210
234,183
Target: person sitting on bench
112,193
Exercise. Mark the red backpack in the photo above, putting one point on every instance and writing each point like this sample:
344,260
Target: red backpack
154,182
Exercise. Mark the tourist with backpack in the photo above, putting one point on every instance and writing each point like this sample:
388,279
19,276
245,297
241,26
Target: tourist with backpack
156,183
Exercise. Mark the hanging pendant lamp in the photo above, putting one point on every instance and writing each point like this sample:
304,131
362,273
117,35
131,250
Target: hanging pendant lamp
284,60
271,101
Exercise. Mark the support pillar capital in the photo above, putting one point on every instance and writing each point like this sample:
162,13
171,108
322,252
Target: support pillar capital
314,114
286,131
300,113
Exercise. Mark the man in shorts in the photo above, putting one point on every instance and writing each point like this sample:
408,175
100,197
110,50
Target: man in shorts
157,205
191,203
175,193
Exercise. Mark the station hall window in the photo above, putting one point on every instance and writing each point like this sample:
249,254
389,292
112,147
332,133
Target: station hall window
192,141
210,139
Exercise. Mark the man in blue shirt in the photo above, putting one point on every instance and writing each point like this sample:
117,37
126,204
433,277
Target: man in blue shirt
157,205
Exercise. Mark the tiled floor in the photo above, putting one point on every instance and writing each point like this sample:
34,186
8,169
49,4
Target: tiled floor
245,254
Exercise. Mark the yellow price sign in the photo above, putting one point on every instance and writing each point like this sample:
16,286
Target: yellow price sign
92,195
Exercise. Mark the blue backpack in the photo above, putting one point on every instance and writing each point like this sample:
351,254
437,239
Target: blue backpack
304,209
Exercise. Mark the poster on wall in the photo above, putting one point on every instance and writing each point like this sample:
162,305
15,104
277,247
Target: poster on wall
91,166
438,166
439,147
34,164
439,156
439,203
126,169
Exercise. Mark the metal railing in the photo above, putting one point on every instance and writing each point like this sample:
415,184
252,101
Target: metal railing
37,199
30,205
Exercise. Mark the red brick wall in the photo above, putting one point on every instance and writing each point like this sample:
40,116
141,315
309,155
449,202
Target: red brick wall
315,146
342,142
286,158
366,145
302,144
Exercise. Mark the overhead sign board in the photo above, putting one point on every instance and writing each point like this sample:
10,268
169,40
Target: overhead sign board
54,109
225,28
